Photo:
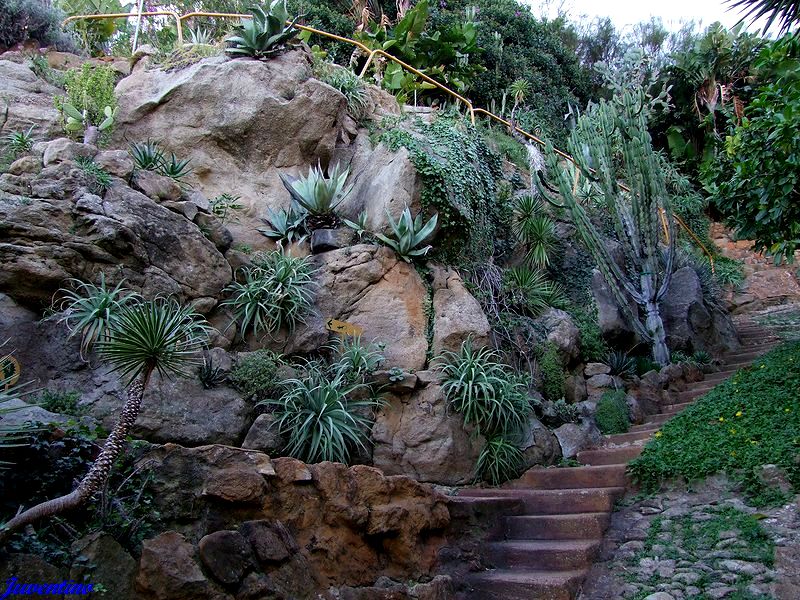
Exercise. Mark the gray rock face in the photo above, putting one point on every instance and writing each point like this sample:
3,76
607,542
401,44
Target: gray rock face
562,333
264,436
457,314
574,389
393,183
62,149
30,101
101,559
573,437
417,436
690,323
239,151
325,240
66,232
174,410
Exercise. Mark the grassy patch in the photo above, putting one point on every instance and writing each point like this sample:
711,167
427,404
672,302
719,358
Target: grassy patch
750,420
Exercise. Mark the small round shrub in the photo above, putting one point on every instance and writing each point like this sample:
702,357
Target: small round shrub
23,20
612,413
256,375
552,374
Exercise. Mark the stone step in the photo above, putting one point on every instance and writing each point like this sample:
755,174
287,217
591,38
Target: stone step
556,478
656,420
619,439
674,409
546,555
609,456
505,584
694,393
556,502
479,508
579,526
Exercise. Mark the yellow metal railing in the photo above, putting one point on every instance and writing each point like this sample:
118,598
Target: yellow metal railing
371,54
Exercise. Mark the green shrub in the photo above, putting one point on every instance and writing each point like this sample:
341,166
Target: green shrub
23,20
349,84
552,374
256,375
65,403
276,292
752,419
645,364
89,90
612,413
499,461
483,390
319,413
593,347
459,183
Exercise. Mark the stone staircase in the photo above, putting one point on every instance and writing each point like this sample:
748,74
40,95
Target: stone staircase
547,543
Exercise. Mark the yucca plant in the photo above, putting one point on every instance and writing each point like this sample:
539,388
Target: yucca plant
319,417
144,337
483,390
499,461
90,310
408,234
621,363
536,230
318,195
265,34
19,142
147,156
528,291
285,226
276,291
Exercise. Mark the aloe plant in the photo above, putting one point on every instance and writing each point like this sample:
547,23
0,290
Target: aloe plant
319,195
265,34
408,234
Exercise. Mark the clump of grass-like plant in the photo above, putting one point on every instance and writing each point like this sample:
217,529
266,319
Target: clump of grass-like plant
499,461
275,291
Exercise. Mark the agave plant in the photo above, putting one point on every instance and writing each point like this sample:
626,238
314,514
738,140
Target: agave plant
147,156
317,195
408,234
285,226
360,226
144,337
265,34
174,168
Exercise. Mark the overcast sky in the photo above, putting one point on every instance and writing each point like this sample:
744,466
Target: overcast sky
628,12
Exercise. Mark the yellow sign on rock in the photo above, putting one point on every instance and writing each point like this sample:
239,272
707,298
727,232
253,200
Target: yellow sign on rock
344,328
9,371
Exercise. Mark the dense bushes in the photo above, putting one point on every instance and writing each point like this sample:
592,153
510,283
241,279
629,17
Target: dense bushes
750,420
612,413
23,20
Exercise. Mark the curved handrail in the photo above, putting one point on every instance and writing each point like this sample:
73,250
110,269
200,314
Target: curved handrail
371,55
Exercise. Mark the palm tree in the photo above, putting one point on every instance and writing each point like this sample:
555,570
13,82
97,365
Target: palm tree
785,12
137,337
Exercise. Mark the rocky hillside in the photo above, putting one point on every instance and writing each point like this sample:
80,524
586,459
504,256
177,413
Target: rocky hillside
235,519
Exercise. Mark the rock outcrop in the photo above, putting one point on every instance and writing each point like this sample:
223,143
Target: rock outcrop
30,102
54,228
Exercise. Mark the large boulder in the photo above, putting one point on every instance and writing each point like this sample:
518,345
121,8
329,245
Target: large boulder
53,229
284,120
539,445
29,101
690,323
370,287
614,325
457,315
560,330
417,435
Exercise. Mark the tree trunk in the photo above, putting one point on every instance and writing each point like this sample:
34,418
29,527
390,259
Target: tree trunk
97,475
655,325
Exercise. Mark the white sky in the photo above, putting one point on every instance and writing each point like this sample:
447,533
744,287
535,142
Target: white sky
629,12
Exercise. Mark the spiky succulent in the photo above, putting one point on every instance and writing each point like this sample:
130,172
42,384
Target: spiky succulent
265,34
408,234
285,226
318,195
